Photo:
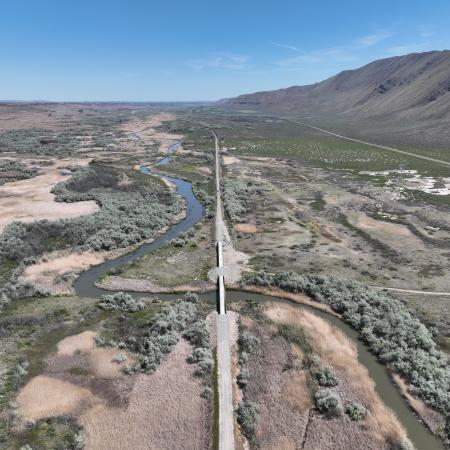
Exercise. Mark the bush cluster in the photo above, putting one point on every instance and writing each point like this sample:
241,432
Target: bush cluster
236,194
129,213
12,170
120,301
126,217
356,411
391,332
246,413
39,141
198,335
158,338
326,377
328,402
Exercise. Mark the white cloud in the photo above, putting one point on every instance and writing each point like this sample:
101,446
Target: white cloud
221,61
342,53
410,48
426,32
334,54
372,39
286,46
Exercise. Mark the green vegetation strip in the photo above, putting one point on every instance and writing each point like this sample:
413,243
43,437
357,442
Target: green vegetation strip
391,332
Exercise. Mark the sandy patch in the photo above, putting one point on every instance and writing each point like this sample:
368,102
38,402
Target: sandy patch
31,199
228,160
83,342
49,271
44,397
245,228
165,411
101,364
145,130
369,224
79,376
235,262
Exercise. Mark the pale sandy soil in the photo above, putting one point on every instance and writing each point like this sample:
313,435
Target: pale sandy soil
83,342
245,228
46,396
145,130
338,351
29,200
227,160
369,224
235,262
165,411
49,271
58,392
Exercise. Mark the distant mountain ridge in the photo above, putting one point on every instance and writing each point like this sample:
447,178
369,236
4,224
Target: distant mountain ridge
414,86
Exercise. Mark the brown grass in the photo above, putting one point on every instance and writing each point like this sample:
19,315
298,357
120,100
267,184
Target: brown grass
75,379
161,411
165,411
245,228
434,420
369,224
45,396
145,130
278,385
296,298
49,269
338,351
83,342
227,160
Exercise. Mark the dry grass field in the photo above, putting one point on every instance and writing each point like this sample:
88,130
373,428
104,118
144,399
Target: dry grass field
164,411
337,351
282,385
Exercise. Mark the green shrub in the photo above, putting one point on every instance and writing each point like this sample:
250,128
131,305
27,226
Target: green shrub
204,360
328,402
247,418
126,217
247,342
198,334
120,301
12,170
243,377
356,411
326,377
236,194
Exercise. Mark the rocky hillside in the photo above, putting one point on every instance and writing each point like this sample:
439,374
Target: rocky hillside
414,86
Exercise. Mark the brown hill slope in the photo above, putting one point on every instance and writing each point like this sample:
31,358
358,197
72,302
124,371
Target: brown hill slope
414,86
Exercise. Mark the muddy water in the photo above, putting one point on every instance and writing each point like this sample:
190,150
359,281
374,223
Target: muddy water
388,392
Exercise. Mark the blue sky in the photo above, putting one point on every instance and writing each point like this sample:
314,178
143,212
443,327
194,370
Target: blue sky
145,50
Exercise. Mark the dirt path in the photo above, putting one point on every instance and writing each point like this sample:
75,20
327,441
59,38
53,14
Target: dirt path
411,291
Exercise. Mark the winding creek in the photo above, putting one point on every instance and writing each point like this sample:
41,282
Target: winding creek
84,286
